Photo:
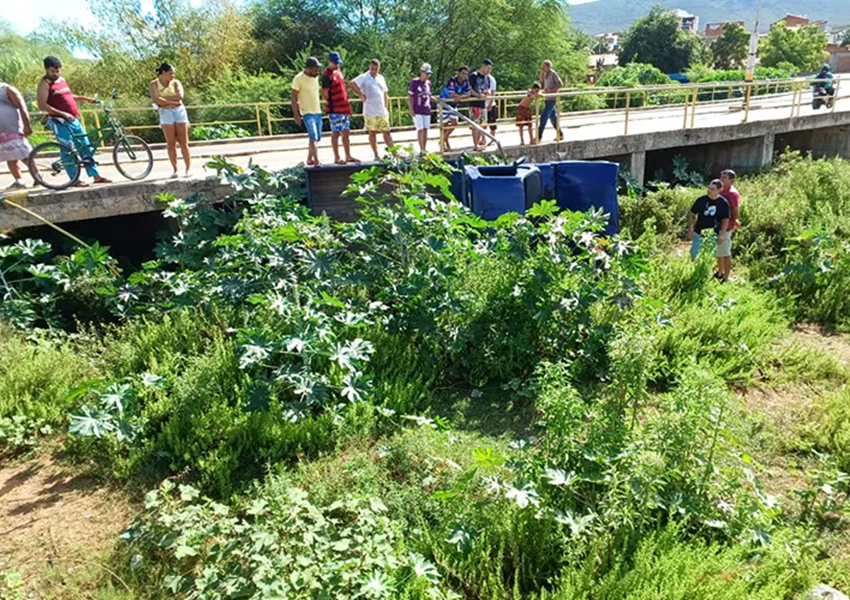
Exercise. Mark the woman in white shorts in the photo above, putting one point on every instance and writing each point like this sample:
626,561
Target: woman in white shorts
167,95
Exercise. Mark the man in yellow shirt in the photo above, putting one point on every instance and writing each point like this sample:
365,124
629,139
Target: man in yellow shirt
307,108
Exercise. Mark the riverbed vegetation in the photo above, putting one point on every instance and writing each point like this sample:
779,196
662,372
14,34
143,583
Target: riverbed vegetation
421,404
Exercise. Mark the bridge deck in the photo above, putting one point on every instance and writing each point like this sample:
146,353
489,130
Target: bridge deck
599,129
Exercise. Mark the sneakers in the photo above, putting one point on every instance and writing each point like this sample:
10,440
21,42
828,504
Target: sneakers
18,185
174,175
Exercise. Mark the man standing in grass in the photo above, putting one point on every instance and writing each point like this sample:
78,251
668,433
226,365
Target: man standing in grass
372,89
307,108
339,110
711,212
734,199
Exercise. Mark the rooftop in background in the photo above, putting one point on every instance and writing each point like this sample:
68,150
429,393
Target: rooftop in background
715,30
797,21
689,22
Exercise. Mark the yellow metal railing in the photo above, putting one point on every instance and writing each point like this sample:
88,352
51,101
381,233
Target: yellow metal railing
621,104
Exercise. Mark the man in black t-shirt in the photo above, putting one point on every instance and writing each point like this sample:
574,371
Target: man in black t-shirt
711,212
479,87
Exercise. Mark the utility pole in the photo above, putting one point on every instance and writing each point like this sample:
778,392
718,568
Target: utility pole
754,47
751,64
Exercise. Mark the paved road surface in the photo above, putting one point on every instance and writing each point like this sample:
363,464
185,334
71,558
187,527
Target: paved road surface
291,151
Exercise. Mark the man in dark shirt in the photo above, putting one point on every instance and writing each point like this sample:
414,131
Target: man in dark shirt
711,212
479,87
339,110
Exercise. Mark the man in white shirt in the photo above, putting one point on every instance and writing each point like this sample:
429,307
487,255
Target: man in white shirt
372,89
492,107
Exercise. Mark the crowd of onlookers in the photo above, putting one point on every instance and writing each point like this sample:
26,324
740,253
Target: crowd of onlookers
56,99
475,89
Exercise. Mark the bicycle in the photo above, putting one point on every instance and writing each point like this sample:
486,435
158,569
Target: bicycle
57,165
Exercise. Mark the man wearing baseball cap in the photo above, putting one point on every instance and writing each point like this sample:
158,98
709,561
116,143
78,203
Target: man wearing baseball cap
307,108
339,110
420,99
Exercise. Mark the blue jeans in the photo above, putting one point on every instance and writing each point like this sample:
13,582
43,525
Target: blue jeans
550,113
313,123
65,133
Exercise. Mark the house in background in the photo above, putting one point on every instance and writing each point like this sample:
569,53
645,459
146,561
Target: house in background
607,42
836,35
839,58
797,21
715,30
689,22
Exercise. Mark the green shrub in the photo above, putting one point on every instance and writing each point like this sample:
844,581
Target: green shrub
828,429
728,328
37,376
668,208
663,566
280,546
226,131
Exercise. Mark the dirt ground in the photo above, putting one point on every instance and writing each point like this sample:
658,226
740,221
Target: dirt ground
55,523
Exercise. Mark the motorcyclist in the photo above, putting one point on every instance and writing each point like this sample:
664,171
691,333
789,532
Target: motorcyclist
825,82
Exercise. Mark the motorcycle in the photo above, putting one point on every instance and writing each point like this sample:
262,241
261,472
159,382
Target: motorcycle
822,97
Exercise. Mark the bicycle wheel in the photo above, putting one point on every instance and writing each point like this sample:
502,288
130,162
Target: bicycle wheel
50,169
133,157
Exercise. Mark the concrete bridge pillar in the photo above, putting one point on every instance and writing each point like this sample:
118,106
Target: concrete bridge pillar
767,147
637,166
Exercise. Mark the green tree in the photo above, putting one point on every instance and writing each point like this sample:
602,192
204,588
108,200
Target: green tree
659,40
803,47
730,50
846,39
128,43
516,34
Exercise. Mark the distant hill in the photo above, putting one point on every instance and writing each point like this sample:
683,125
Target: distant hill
604,16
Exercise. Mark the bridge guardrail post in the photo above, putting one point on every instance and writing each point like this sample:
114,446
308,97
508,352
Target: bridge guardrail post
687,106
628,106
442,131
694,107
259,123
535,138
835,97
747,94
269,119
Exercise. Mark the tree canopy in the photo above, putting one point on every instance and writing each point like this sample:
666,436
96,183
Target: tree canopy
659,40
730,50
223,45
803,47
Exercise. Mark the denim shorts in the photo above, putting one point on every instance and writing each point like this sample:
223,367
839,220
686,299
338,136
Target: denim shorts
313,123
172,116
339,122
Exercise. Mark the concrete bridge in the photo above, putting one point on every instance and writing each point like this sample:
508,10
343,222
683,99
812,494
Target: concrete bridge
711,136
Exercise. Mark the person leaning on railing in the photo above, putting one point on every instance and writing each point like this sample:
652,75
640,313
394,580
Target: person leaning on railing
167,95
57,100
457,88
524,119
